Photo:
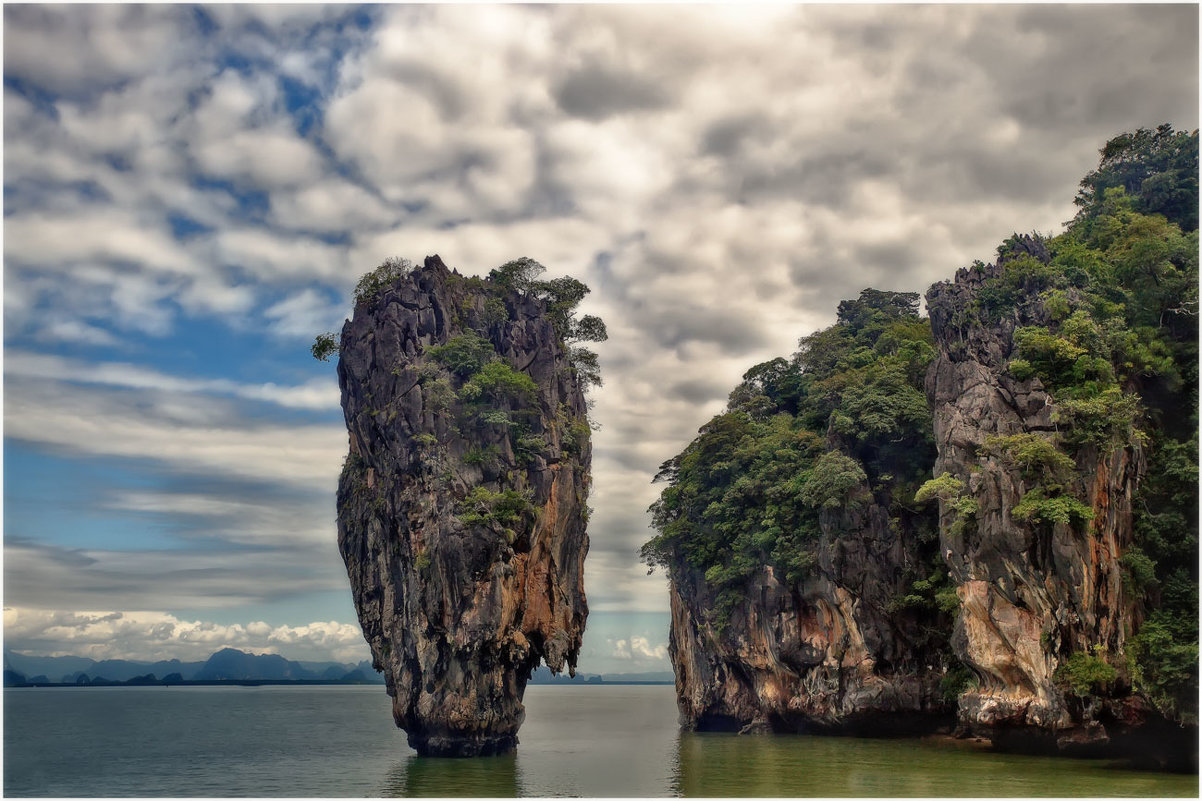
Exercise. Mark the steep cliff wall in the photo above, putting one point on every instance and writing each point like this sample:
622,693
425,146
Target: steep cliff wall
803,577
1036,589
829,653
811,586
462,503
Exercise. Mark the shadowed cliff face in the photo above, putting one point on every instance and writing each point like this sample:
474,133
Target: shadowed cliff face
823,654
1032,593
462,503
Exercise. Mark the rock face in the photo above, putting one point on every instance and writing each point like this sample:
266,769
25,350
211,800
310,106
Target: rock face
829,654
1032,594
462,503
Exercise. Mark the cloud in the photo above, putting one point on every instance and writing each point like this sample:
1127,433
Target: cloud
720,177
178,433
304,314
102,46
639,648
598,91
316,394
60,577
154,635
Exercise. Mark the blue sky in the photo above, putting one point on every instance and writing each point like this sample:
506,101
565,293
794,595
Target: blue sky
190,194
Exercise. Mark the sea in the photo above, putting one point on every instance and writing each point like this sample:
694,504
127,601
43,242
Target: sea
577,740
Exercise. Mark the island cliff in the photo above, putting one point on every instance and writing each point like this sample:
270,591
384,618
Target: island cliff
462,502
1049,405
1033,588
803,576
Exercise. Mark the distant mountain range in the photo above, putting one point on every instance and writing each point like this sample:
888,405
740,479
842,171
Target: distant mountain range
230,664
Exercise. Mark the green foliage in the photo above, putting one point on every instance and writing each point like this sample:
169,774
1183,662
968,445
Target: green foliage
588,328
495,311
1106,420
951,491
1037,507
1025,276
749,490
562,296
423,561
584,362
1139,572
519,274
504,509
373,283
1163,659
324,346
1158,168
946,488
490,454
496,381
574,437
465,354
437,392
1036,455
1047,469
529,446
956,681
1085,674
495,417
835,480
927,594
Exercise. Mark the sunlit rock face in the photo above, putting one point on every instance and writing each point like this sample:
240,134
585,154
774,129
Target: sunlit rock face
462,510
1031,594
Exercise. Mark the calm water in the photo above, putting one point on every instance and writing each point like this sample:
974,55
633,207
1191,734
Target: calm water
590,741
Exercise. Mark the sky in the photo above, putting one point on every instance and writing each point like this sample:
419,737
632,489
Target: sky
190,194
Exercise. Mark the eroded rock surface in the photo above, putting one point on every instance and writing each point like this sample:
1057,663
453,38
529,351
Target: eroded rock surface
1032,594
823,655
461,512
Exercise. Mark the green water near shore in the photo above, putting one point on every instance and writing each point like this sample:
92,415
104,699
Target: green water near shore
577,741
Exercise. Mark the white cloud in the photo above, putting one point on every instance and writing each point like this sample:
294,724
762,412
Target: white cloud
153,635
304,314
315,394
639,648
205,577
76,331
721,177
186,437
66,50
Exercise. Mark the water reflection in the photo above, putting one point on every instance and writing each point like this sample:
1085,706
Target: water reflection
434,777
798,766
623,742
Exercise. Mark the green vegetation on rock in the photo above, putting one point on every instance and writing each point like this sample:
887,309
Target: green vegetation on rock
1103,318
840,424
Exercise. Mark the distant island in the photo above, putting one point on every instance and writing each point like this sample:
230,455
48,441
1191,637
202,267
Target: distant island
227,666
234,667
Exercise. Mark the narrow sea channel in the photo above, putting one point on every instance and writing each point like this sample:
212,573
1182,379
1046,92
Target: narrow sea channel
577,740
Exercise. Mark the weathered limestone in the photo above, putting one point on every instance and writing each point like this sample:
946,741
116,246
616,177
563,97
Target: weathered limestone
822,655
1031,594
458,613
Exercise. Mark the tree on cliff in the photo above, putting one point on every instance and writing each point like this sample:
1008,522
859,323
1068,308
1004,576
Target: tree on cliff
1114,343
799,435
561,295
1101,322
462,503
1158,169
